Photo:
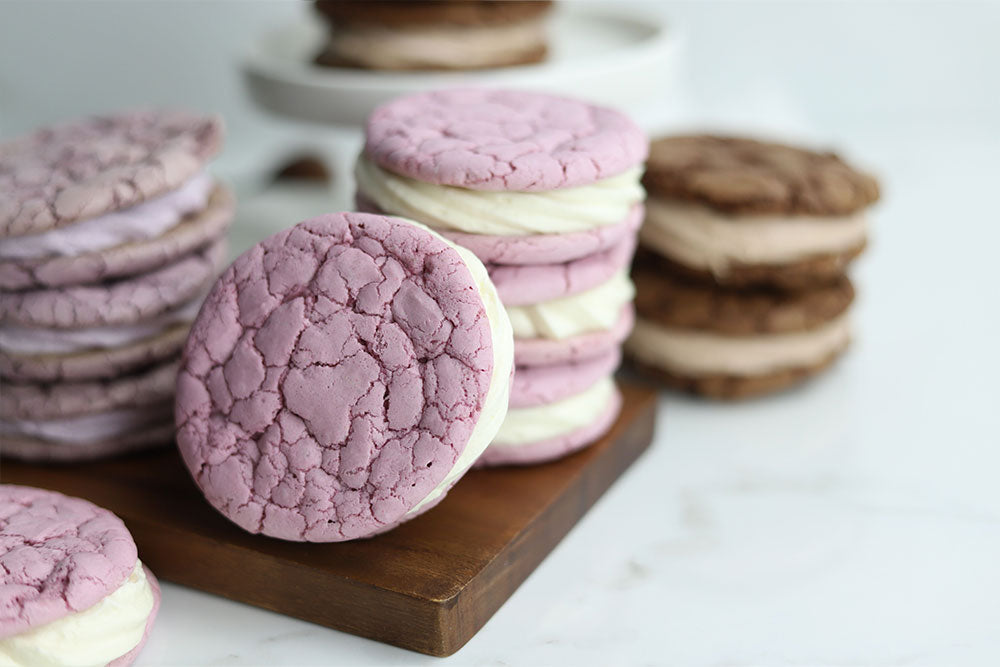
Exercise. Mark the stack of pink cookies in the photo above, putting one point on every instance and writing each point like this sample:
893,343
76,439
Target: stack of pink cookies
546,192
111,231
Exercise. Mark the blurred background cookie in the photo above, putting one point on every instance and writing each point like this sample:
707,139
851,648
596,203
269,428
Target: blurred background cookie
442,35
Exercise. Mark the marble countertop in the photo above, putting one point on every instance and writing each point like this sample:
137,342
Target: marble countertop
855,521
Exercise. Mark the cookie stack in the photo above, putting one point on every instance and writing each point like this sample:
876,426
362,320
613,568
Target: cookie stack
110,234
741,275
440,35
546,192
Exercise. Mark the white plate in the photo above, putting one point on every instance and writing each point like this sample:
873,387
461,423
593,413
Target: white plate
612,58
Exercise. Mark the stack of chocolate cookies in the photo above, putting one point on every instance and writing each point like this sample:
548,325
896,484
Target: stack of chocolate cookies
741,276
546,192
440,35
111,232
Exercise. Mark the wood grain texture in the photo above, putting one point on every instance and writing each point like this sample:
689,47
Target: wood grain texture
429,585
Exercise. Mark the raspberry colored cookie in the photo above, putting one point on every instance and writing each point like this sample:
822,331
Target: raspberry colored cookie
72,590
502,140
742,213
537,385
67,173
545,351
533,283
727,343
341,376
122,243
122,302
549,432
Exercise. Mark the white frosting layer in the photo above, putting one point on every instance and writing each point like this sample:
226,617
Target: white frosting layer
31,340
88,428
145,221
495,404
437,46
596,309
701,238
542,422
699,353
563,211
89,638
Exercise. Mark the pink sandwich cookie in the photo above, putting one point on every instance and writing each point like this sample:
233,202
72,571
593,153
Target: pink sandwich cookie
72,589
546,191
341,377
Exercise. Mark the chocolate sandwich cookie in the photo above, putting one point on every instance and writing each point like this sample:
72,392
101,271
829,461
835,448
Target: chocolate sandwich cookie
442,35
740,212
732,344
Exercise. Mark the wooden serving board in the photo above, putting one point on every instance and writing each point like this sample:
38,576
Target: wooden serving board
429,585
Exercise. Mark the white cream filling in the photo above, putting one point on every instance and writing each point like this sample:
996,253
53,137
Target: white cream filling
701,238
495,404
445,207
596,309
542,422
88,428
89,638
437,45
700,353
145,221
31,340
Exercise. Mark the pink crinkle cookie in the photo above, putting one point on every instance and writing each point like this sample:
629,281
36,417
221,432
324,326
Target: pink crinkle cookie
537,385
545,351
74,171
502,140
340,377
60,556
126,301
548,248
521,285
554,448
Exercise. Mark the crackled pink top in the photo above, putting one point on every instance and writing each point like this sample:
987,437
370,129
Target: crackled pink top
502,140
333,377
79,170
58,555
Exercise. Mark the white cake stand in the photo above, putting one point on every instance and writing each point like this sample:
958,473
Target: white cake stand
620,59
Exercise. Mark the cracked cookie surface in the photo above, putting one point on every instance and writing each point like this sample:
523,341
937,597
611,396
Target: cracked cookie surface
744,176
334,377
502,140
58,555
78,170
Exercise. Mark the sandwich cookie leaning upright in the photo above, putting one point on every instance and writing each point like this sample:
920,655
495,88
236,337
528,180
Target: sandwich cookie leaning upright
730,344
742,213
341,377
546,191
72,589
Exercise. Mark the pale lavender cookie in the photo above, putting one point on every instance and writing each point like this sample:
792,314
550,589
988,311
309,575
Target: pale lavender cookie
125,301
194,231
66,399
78,170
42,450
